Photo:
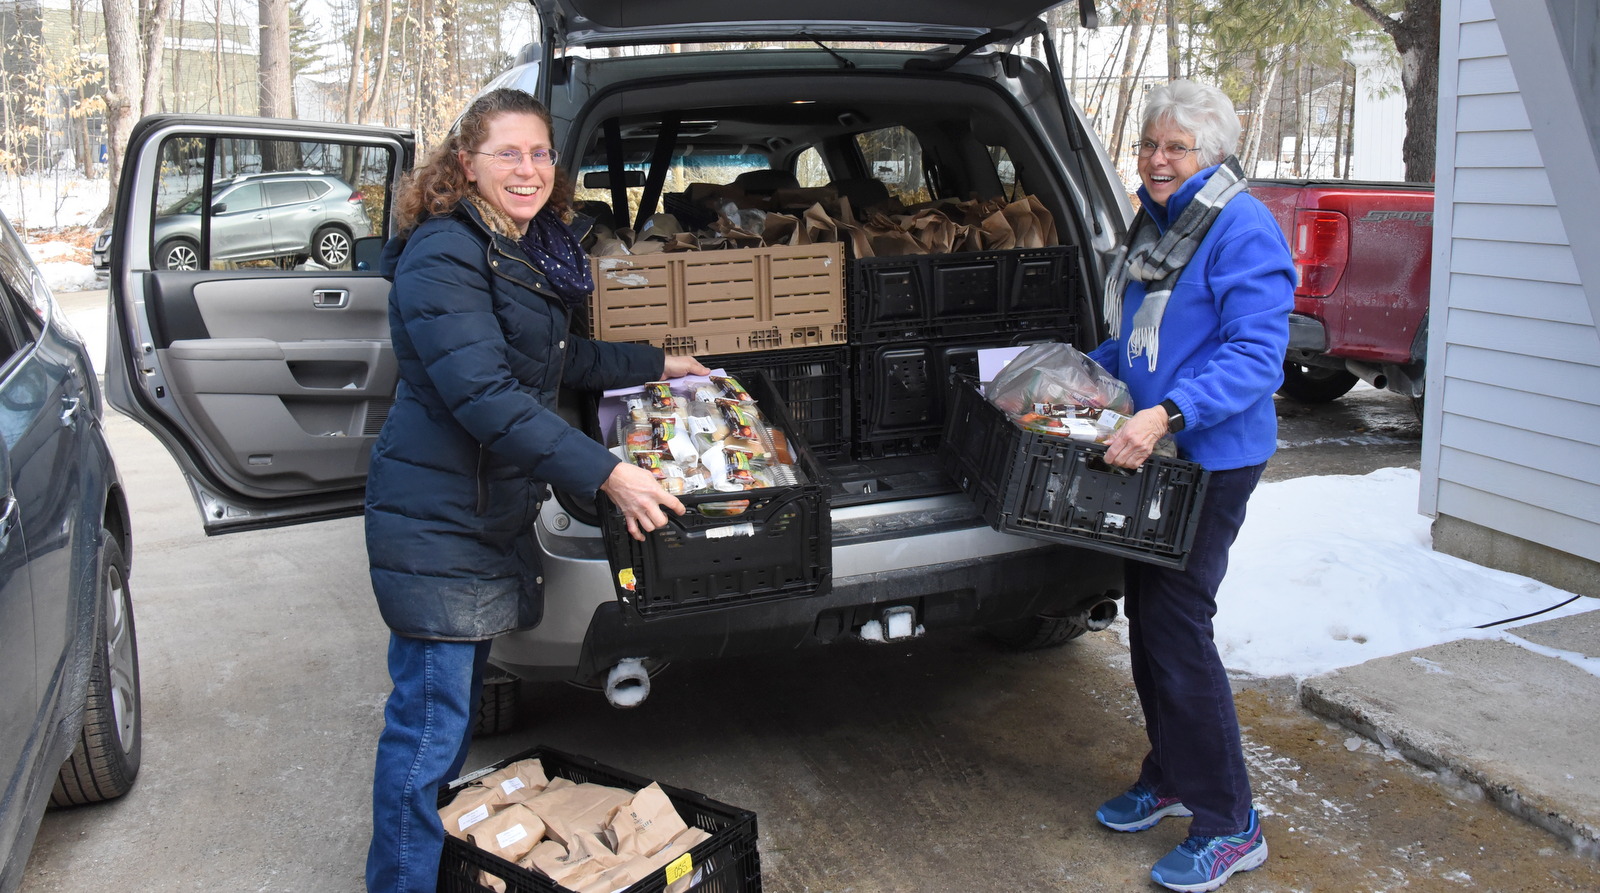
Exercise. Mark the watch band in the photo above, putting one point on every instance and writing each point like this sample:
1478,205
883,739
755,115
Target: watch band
1174,416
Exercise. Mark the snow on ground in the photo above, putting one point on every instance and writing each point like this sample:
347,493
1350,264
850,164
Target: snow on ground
42,208
1328,571
1332,571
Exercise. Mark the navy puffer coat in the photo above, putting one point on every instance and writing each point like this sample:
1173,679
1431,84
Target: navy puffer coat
462,462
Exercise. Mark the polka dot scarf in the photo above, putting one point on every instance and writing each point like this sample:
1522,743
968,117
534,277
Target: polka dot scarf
554,250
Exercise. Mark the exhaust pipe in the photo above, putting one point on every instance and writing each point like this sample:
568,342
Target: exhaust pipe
1097,616
627,685
1368,373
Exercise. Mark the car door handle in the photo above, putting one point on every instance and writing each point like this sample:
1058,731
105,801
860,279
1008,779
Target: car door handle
69,410
330,298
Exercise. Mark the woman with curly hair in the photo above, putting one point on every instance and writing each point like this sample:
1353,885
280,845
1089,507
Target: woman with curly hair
486,277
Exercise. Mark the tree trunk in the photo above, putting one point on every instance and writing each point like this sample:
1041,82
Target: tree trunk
1341,168
1258,123
222,106
1416,38
1125,85
381,71
276,90
122,88
1172,41
358,69
154,28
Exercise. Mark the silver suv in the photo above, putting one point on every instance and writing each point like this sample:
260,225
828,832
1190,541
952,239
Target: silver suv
270,389
286,216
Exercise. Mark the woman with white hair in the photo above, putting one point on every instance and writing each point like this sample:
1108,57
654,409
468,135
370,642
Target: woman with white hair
1197,312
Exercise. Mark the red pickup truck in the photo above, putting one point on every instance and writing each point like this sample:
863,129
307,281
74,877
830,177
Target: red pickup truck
1364,252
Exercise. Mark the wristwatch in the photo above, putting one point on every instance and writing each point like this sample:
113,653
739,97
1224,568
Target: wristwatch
1174,416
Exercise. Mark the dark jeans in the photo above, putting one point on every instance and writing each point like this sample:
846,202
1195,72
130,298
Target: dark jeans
427,728
1195,753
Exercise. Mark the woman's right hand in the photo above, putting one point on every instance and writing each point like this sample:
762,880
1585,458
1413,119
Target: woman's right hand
640,498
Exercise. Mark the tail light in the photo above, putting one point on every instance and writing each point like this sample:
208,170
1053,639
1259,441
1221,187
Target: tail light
355,196
1321,249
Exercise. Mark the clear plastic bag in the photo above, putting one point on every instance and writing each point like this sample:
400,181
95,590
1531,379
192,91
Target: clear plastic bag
1053,374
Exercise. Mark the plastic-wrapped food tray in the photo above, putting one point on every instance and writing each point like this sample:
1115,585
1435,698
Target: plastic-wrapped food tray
1062,491
729,548
728,862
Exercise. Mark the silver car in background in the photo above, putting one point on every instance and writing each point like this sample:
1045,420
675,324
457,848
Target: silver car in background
287,216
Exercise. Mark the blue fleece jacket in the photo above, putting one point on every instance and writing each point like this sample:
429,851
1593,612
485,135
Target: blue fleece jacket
1223,337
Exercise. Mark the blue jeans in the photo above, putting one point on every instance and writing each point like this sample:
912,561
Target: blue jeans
1195,752
427,729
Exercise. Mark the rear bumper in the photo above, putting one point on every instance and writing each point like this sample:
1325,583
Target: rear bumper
1307,333
954,578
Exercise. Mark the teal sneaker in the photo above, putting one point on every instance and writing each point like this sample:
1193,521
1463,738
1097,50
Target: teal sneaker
1138,809
1205,863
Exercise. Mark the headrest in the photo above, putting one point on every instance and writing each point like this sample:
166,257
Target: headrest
766,181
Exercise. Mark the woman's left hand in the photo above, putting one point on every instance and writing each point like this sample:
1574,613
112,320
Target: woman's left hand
678,367
1136,439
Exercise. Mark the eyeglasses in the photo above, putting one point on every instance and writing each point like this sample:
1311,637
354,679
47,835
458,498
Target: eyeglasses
1173,151
511,158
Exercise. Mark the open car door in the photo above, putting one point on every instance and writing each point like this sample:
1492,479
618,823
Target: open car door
240,334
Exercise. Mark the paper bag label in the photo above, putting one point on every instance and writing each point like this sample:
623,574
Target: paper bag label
679,867
511,786
469,819
510,836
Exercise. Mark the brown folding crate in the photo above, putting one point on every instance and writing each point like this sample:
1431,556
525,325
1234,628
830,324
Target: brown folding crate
732,300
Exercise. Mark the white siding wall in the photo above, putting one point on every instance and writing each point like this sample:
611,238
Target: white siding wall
1512,434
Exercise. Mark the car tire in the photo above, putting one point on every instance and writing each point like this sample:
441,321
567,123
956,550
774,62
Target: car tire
178,254
1035,633
330,247
106,759
1315,384
497,703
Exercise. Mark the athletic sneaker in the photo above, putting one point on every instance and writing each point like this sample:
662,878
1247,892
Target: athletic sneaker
1138,809
1205,863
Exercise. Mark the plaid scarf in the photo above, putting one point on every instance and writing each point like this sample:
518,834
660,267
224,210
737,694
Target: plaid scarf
1157,259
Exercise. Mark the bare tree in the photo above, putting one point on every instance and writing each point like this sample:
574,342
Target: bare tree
1415,32
277,94
153,25
1131,66
381,66
358,68
122,94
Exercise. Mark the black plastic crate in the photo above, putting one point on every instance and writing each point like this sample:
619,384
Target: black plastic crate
728,862
777,545
892,298
902,387
813,384
1062,491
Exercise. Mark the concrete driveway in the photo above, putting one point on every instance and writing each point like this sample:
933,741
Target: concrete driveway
938,765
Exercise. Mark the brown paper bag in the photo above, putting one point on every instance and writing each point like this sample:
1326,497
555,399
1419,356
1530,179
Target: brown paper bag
571,866
888,239
510,833
518,781
640,867
819,226
784,229
997,234
682,242
472,804
580,808
645,824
